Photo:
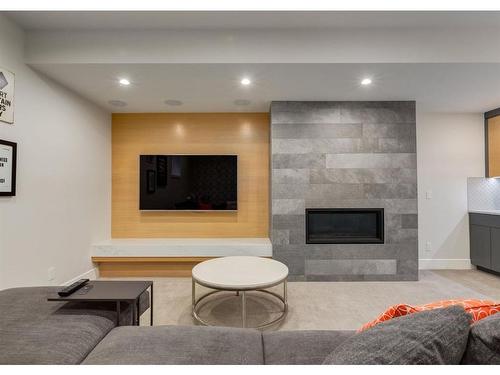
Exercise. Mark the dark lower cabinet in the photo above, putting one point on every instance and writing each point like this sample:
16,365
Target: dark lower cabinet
485,241
495,249
480,246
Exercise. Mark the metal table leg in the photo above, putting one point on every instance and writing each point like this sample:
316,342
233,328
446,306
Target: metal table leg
117,313
151,306
133,306
285,293
244,308
193,294
138,312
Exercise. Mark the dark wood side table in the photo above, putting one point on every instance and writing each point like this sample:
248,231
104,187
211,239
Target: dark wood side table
113,291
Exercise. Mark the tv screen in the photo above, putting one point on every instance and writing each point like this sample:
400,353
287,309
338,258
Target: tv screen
188,182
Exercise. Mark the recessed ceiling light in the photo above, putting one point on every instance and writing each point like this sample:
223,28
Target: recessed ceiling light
242,102
246,81
124,82
173,102
117,103
366,81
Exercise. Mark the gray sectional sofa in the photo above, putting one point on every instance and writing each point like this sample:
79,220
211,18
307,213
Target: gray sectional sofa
34,331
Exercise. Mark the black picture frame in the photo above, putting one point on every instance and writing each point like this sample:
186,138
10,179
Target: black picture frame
12,192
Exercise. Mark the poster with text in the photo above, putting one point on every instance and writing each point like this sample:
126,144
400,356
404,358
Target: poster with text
6,96
7,168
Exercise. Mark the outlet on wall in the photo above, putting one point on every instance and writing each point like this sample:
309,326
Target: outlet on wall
51,273
428,246
428,194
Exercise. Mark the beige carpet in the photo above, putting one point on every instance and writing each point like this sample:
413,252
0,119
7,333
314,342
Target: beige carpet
321,305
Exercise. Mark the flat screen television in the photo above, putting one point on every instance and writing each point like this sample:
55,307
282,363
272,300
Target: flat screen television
188,182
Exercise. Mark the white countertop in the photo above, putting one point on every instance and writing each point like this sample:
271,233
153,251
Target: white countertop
486,212
182,247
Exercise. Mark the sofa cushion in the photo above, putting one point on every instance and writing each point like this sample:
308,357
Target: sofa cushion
36,331
58,339
301,347
177,345
483,347
21,305
429,337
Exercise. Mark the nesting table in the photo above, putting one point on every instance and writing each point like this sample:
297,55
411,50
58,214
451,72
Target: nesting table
240,274
113,291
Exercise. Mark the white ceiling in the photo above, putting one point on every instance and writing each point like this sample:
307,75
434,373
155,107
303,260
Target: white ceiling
200,57
251,20
215,87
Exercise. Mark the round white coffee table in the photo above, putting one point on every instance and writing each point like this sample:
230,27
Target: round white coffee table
240,274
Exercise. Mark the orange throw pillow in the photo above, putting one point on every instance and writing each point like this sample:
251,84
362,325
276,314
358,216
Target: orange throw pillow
479,309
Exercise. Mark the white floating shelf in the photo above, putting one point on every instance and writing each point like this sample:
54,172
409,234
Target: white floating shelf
183,247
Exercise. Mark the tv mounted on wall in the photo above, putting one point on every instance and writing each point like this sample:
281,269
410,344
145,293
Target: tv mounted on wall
188,182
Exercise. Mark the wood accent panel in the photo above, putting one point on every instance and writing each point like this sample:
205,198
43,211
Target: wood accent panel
147,266
243,134
493,130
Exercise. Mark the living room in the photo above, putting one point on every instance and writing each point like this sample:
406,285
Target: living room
273,186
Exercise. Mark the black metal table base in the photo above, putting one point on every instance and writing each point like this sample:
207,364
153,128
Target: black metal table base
136,308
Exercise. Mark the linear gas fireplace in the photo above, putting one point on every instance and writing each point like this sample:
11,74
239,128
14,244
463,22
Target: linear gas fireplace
344,225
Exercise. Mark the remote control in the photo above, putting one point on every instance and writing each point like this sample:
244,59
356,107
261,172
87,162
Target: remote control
72,288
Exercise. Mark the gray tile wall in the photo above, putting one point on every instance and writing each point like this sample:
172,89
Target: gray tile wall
344,154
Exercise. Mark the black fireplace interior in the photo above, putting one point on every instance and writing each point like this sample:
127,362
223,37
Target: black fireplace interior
344,225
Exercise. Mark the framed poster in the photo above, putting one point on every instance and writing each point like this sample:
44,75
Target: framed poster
8,154
6,96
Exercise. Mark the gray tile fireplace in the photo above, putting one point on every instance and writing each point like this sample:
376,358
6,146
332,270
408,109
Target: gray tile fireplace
344,190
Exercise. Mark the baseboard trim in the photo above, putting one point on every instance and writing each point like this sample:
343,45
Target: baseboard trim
444,264
91,274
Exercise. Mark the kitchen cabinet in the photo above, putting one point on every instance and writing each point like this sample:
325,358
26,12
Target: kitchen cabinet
485,241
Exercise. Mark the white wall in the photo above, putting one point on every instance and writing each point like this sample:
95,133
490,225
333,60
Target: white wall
450,148
63,176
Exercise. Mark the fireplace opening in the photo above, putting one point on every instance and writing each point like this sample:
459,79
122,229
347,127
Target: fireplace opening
344,225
